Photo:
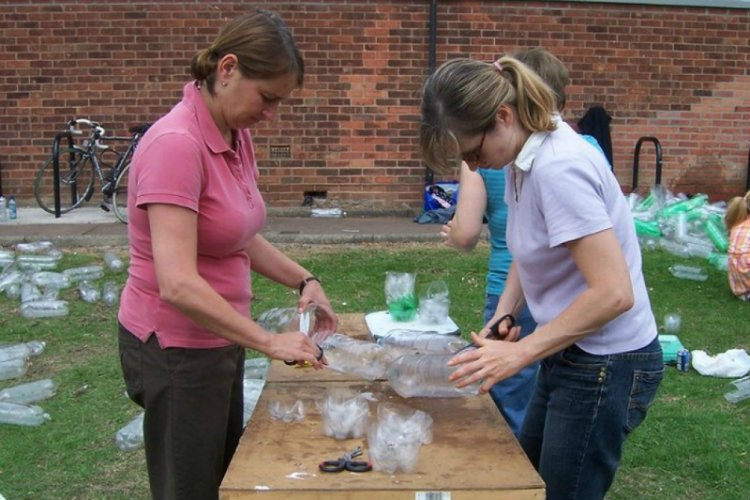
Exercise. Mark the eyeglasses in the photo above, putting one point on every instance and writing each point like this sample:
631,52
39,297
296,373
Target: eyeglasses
473,156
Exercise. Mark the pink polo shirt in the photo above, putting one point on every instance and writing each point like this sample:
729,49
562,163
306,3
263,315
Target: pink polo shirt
183,160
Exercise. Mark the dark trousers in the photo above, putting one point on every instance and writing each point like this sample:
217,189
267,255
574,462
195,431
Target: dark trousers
193,413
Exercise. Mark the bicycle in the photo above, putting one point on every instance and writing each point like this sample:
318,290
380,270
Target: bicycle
79,164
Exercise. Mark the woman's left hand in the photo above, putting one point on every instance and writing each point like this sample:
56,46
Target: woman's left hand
326,322
492,361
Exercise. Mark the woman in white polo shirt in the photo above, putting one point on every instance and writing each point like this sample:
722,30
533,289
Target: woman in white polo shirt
576,263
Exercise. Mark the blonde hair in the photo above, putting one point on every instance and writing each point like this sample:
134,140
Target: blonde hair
549,68
262,43
737,209
462,97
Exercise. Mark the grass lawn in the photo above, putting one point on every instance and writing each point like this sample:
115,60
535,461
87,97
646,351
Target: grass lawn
693,444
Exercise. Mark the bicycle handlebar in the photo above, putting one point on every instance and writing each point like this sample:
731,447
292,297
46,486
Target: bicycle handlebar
98,130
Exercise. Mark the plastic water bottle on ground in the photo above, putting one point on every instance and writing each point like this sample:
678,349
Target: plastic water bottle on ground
130,437
84,273
30,392
13,368
737,390
21,350
13,413
88,291
688,272
44,309
110,293
50,279
3,210
112,261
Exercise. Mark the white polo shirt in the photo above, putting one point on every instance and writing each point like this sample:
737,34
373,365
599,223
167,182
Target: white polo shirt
560,189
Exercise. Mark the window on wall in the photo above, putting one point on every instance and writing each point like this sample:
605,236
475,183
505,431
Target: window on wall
731,4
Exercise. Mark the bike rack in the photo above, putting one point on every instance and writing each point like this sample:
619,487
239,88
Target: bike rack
637,155
56,169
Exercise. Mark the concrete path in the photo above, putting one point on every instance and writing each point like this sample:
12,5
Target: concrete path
95,227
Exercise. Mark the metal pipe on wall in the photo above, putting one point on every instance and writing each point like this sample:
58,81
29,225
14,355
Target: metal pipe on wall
429,175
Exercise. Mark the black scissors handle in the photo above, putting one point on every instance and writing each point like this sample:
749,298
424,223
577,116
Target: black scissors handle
346,463
495,327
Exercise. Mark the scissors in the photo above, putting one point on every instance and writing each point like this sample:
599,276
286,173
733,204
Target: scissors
494,331
345,462
305,323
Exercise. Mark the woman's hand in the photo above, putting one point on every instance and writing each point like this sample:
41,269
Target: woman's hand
326,322
505,329
298,347
492,361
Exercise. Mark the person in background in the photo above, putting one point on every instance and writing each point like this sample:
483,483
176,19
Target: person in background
195,214
738,254
576,263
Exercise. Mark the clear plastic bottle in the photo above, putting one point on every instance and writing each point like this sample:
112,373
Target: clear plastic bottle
426,375
89,292
21,350
44,309
366,360
30,292
130,437
419,341
12,413
112,261
50,279
110,293
84,273
12,209
30,392
13,368
688,272
737,390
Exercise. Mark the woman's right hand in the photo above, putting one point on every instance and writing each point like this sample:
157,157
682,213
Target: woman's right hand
296,346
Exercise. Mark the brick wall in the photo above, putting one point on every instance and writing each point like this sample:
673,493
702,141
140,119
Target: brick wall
680,74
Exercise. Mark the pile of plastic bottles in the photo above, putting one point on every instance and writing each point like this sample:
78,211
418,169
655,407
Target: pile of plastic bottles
15,401
685,227
29,274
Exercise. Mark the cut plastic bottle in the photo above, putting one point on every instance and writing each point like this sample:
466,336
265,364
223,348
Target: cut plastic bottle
89,292
21,350
13,368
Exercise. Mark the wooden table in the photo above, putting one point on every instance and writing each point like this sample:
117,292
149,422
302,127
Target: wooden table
473,456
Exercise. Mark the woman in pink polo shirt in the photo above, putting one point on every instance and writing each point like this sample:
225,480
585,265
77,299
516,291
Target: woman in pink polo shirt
195,214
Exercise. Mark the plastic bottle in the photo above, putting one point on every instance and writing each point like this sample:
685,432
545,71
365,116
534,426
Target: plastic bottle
12,413
737,390
30,292
426,375
3,209
672,323
29,392
7,257
365,360
647,228
50,279
419,341
44,309
12,209
88,291
688,272
84,273
22,350
13,368
37,262
719,261
112,261
130,437
696,201
677,249
110,293
717,234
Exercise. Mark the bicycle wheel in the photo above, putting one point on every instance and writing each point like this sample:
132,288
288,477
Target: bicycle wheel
120,195
76,182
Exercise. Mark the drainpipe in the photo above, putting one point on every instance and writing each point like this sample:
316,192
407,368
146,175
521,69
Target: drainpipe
429,175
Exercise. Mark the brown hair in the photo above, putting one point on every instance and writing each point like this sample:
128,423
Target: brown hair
737,209
549,68
463,96
263,44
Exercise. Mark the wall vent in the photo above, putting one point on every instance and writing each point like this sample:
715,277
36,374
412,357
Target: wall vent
278,152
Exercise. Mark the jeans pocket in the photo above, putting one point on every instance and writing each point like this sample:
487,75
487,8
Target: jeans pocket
642,394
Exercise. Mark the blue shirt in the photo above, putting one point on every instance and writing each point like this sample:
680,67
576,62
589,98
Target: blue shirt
496,213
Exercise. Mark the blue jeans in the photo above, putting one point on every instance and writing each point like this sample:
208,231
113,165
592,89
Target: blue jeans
512,395
584,407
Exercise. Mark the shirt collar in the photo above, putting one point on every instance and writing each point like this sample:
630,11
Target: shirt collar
211,134
530,148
